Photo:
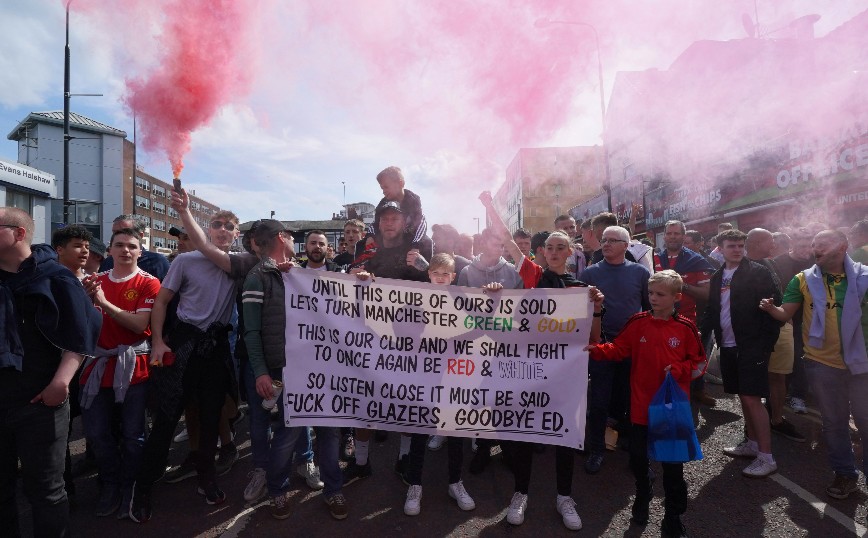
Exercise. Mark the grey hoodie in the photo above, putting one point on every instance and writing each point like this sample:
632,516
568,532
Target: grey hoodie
476,275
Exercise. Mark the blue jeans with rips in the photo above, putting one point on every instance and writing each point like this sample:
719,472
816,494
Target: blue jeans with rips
839,394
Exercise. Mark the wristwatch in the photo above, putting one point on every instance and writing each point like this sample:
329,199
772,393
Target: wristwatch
600,313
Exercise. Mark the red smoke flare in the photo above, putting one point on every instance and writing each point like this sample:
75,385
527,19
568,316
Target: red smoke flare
201,69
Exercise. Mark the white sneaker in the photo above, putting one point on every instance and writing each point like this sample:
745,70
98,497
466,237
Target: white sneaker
741,450
567,510
798,405
413,504
256,488
182,436
464,500
473,446
759,468
310,472
436,442
517,507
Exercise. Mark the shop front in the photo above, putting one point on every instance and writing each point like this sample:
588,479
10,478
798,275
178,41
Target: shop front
30,190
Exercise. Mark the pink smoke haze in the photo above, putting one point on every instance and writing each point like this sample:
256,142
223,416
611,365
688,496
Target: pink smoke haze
456,88
201,66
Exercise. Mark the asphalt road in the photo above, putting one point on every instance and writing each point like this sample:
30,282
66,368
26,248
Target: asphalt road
722,502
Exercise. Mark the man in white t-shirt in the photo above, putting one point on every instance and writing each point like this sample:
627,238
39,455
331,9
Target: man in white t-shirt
746,336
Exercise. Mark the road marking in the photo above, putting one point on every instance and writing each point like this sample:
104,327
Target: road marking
240,521
820,506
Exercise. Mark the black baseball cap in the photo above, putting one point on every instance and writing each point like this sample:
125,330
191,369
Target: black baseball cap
387,205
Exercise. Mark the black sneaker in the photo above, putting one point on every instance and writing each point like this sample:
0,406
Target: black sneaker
226,458
789,431
212,493
186,470
140,506
672,528
353,472
109,500
480,460
594,463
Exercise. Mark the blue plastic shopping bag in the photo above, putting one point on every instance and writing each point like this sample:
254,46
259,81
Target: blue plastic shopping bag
671,435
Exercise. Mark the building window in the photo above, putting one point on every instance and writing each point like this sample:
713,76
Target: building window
159,225
85,213
159,208
172,244
159,191
143,183
141,201
159,242
21,200
172,213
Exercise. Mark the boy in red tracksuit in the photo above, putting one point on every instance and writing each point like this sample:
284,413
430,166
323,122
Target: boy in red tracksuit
658,341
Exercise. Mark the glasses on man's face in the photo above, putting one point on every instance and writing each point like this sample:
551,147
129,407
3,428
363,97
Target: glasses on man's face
611,240
228,226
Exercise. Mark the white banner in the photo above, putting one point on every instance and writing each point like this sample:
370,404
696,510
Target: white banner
420,358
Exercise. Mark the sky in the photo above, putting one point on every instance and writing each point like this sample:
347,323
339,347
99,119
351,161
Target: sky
288,103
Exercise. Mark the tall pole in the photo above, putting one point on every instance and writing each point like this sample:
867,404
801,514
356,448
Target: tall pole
66,96
135,150
344,183
544,22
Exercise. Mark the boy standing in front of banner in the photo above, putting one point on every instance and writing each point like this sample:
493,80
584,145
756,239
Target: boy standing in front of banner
657,341
441,271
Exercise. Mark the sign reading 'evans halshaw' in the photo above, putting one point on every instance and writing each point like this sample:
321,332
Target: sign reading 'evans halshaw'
25,176
429,359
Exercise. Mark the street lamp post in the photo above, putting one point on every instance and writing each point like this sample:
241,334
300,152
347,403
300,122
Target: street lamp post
66,138
477,224
546,22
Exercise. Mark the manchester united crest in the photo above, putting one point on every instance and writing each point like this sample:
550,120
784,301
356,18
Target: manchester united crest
131,295
674,342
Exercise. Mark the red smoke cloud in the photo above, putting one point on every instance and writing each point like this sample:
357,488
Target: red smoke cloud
200,64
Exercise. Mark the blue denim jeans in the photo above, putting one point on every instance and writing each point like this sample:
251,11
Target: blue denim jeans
840,394
283,448
118,463
260,419
36,435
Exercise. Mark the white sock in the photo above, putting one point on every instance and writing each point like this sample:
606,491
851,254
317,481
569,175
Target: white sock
766,457
362,452
753,445
405,445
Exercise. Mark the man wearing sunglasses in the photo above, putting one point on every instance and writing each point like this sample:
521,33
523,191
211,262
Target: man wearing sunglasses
202,368
49,324
153,263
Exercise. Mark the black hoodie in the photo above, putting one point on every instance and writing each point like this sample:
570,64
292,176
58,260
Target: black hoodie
44,310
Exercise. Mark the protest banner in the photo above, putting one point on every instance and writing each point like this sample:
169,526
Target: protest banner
419,358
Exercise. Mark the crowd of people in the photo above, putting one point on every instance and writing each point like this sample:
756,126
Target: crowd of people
130,342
